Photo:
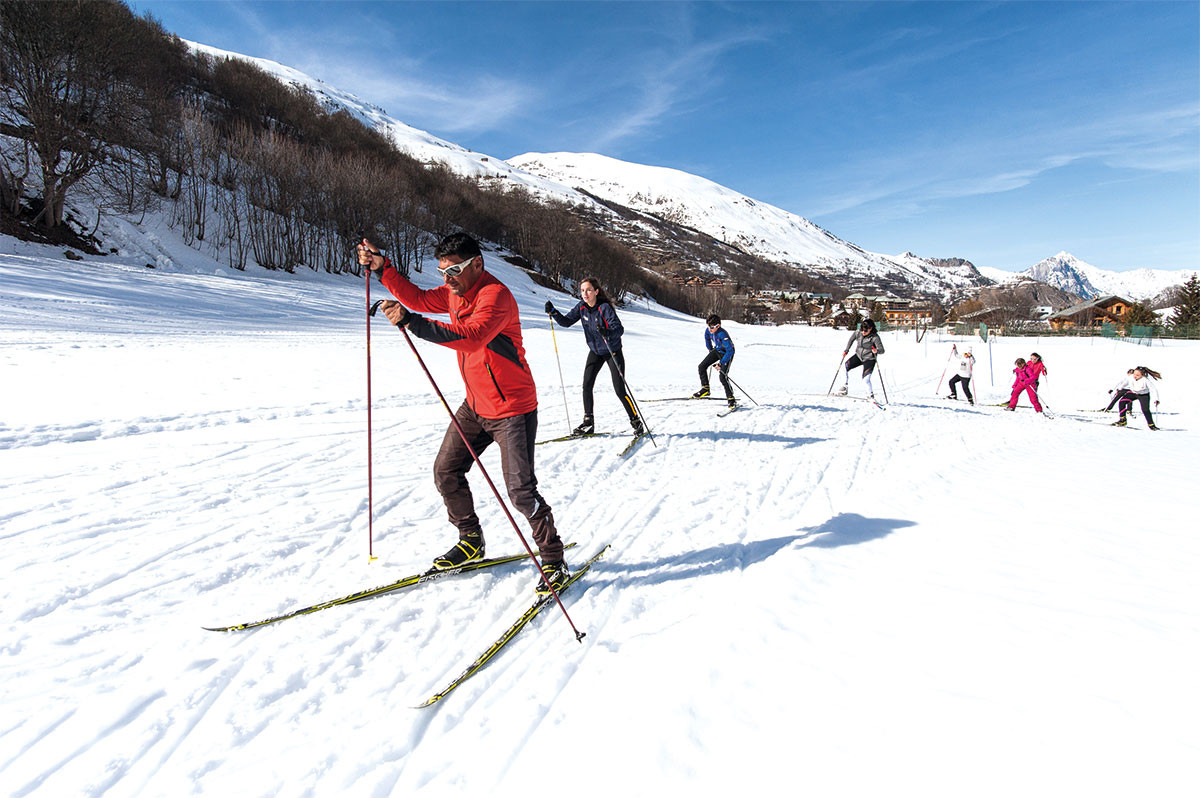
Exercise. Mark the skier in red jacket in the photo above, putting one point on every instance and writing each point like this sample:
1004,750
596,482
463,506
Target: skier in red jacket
501,404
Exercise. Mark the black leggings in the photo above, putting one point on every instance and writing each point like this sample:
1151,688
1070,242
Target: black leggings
1127,404
1118,396
713,357
616,367
966,385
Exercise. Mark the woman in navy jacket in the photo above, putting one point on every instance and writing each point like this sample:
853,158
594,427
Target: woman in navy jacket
602,330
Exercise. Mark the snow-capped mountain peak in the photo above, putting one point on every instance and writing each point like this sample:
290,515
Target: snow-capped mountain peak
1069,273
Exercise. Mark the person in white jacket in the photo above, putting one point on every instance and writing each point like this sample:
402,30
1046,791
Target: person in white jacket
1143,386
966,367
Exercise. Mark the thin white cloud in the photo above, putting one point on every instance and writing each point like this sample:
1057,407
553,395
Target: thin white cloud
664,84
1162,140
362,56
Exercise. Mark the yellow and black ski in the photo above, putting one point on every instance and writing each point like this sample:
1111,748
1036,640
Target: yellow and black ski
629,447
408,581
576,436
511,632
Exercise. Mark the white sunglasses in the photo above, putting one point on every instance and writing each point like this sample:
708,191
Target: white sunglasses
455,269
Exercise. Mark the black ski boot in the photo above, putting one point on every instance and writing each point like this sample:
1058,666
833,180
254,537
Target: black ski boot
702,393
467,549
1120,423
557,573
638,427
732,402
588,427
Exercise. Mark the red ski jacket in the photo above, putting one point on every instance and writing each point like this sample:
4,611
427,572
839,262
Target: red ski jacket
485,331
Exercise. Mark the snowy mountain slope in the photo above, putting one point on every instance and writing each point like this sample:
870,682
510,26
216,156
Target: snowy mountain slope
419,144
883,601
1078,277
754,226
997,275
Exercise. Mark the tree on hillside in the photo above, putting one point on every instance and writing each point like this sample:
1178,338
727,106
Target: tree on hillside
65,70
1188,311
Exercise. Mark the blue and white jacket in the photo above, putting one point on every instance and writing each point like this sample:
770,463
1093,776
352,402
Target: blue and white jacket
600,325
721,342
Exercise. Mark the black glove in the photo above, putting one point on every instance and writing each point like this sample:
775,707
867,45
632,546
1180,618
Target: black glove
1110,390
549,306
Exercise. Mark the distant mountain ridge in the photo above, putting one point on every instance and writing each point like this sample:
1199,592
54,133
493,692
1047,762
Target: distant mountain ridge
1068,273
751,225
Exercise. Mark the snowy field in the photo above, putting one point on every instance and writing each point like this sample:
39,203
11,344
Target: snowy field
811,595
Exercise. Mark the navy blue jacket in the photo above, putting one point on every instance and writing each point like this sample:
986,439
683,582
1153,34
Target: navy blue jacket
721,342
600,324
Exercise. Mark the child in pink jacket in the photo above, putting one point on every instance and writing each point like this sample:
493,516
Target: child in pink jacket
1024,380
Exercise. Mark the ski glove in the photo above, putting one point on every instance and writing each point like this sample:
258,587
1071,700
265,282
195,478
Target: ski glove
549,307
402,313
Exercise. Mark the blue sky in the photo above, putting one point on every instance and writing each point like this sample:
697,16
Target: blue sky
998,132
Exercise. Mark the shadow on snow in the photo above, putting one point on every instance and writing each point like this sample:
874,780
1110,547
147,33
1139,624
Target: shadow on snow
846,529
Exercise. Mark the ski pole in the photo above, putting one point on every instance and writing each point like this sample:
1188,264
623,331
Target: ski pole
836,373
740,388
370,460
882,384
462,434
953,352
566,407
628,392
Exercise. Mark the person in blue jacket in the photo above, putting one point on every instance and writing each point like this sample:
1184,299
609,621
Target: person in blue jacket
720,353
602,330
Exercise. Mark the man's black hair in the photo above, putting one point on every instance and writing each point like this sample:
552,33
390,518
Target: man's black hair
714,320
457,245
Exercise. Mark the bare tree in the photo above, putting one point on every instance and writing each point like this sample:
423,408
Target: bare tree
65,64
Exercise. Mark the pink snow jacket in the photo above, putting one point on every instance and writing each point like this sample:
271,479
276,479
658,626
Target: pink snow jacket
1035,370
1022,378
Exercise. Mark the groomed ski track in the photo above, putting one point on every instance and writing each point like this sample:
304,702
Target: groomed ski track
867,600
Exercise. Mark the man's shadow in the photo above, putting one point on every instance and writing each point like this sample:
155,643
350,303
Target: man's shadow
846,529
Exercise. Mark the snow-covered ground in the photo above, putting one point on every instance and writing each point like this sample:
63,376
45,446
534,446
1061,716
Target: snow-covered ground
810,596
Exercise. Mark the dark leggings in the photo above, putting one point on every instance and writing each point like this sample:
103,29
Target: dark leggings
616,367
966,385
1118,396
713,357
1127,404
